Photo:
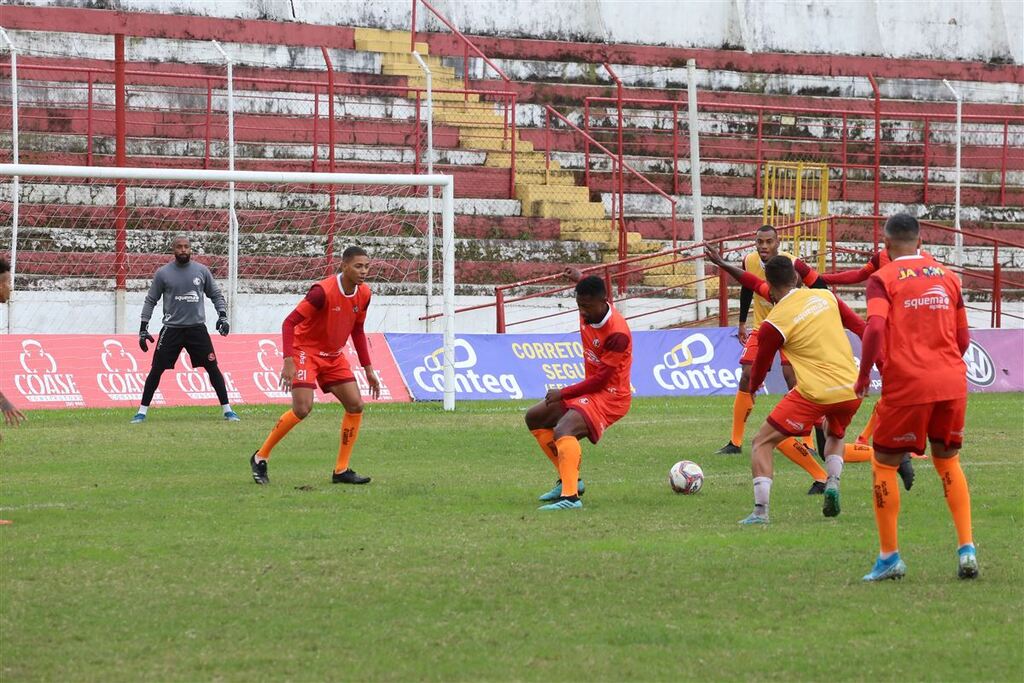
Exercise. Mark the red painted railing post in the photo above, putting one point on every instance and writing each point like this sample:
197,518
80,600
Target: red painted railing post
675,153
88,125
723,299
997,288
316,125
512,152
842,192
608,284
927,135
878,156
331,223
209,121
499,309
1002,174
121,134
465,70
547,143
757,151
412,28
416,136
586,143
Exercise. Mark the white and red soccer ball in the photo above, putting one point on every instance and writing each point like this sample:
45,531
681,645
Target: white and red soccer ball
686,477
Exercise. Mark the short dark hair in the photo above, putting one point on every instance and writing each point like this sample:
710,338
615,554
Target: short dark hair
591,285
767,228
351,252
779,271
5,266
902,227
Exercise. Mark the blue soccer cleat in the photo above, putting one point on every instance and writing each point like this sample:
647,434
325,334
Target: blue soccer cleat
232,416
754,518
890,568
563,504
138,419
556,493
968,562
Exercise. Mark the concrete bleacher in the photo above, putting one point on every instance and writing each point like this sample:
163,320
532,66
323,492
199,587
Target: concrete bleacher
549,218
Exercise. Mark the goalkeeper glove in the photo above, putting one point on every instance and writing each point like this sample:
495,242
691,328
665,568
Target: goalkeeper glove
144,337
222,325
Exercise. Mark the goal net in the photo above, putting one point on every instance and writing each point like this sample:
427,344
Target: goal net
84,242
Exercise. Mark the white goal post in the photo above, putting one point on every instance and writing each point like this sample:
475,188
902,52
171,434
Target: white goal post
103,199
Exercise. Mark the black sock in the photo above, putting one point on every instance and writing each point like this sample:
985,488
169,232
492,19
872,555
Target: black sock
217,380
152,382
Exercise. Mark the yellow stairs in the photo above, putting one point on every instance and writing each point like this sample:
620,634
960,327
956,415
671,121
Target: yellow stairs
545,191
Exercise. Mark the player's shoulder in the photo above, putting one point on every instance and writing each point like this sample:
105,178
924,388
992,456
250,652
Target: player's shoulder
364,291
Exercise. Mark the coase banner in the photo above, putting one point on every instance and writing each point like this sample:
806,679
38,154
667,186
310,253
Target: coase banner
100,371
691,362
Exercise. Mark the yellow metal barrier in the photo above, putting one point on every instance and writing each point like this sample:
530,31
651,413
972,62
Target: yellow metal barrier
795,191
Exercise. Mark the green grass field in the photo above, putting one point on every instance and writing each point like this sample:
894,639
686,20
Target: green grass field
146,552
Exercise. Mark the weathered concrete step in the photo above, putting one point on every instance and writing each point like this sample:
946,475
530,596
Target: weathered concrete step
555,193
388,46
555,209
495,142
542,178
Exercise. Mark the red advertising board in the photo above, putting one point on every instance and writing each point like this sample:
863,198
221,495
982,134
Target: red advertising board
102,371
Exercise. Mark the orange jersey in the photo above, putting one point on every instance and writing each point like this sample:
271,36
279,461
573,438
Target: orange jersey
326,330
922,304
608,347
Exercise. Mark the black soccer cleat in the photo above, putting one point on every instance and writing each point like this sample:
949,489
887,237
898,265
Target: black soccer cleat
259,470
348,477
817,489
906,471
729,449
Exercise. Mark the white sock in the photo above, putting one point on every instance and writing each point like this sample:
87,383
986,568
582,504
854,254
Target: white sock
834,466
143,410
762,492
226,408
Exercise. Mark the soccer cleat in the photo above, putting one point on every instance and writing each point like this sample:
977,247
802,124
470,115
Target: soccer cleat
729,449
259,470
138,419
890,568
349,476
754,518
567,503
968,562
906,471
556,493
817,488
232,416
831,506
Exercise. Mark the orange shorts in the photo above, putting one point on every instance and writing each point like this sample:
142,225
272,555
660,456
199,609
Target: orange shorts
796,416
599,411
750,351
312,369
902,429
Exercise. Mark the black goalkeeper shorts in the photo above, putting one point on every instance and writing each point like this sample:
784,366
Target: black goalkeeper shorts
195,339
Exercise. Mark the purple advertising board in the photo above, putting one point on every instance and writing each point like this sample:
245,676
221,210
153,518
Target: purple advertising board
692,362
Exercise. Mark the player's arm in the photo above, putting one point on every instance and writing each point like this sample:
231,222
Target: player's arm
851,321
615,347
809,275
362,346
963,335
852,277
874,334
769,342
214,294
156,290
12,416
314,301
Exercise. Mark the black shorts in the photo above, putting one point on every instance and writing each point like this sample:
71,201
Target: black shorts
196,340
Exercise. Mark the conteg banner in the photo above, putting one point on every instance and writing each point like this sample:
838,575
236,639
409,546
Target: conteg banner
99,371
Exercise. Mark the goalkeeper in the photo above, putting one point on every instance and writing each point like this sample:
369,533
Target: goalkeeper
182,284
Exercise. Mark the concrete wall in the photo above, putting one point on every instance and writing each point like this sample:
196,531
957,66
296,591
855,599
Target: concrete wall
944,29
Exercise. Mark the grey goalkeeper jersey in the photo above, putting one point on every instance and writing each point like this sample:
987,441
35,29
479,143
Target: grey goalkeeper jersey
182,289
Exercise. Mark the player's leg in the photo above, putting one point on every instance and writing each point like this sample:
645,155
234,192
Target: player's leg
743,403
201,353
570,428
799,454
869,428
347,393
541,419
762,470
789,375
165,355
302,405
837,419
945,434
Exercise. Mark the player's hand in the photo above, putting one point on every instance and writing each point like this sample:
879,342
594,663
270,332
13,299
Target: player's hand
862,385
12,416
553,396
145,337
287,374
573,274
713,255
222,325
373,381
741,332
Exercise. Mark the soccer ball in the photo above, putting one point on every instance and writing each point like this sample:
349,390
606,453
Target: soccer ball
686,477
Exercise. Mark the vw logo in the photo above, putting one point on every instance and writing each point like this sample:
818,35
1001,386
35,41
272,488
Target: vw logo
980,370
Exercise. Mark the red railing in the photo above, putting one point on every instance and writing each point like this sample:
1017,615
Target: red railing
760,133
467,45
